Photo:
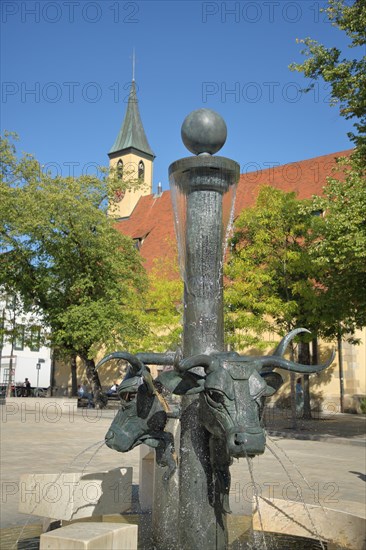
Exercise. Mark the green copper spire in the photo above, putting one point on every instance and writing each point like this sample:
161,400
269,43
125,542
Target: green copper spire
132,134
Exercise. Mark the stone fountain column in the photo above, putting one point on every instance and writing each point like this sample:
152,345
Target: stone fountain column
202,205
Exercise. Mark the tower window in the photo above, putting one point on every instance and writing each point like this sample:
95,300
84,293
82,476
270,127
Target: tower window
119,169
141,171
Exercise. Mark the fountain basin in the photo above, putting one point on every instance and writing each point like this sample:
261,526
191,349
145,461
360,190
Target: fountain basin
291,517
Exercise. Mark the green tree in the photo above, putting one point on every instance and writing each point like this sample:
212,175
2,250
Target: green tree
347,77
271,278
163,306
339,249
62,255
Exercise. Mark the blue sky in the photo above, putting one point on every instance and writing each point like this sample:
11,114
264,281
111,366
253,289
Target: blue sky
66,72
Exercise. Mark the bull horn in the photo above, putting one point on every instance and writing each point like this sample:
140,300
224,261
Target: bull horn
177,358
136,364
275,361
208,362
281,348
156,358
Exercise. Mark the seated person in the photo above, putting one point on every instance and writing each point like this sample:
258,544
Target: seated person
82,393
113,389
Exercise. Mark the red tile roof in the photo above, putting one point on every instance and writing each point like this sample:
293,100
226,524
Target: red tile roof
152,222
152,219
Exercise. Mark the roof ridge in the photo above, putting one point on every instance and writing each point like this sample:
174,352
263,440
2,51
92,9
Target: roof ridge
336,154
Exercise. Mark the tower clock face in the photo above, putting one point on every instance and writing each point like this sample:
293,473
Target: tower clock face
119,194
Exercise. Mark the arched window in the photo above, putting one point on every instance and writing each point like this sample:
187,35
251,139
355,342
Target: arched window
141,171
119,169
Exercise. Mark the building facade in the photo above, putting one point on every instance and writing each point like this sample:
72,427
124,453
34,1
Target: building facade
22,351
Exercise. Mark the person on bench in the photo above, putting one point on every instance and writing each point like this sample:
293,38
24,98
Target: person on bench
113,389
83,394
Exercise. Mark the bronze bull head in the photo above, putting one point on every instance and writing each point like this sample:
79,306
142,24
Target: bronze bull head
144,411
232,393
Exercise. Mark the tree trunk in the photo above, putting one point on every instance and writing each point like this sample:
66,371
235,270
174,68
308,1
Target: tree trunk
52,374
293,392
304,359
10,379
314,349
74,380
100,400
340,363
2,330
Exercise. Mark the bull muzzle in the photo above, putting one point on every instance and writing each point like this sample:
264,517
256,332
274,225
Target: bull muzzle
119,440
247,443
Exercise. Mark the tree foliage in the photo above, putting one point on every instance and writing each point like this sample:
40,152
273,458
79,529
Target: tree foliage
163,306
273,278
347,77
270,275
339,251
61,253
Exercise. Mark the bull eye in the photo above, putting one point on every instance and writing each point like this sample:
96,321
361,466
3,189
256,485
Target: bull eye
215,397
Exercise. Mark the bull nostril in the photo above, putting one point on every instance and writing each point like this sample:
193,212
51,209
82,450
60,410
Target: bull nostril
239,439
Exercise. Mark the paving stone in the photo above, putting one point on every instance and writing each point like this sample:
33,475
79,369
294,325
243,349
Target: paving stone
91,536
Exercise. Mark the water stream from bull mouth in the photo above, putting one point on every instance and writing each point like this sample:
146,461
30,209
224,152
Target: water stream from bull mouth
255,491
265,540
300,494
98,445
295,466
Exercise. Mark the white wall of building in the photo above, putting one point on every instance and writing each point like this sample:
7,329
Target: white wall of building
24,366
23,360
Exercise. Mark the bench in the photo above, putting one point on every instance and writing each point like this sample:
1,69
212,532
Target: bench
113,401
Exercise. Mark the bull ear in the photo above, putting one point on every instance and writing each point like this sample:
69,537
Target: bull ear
274,381
257,386
188,384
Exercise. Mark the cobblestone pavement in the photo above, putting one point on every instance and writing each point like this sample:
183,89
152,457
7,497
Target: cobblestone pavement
333,427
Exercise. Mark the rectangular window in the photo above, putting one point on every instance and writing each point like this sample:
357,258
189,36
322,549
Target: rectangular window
10,302
5,379
19,337
35,338
318,213
137,243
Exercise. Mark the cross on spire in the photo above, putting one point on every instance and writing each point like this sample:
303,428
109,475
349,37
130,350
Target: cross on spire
132,134
133,64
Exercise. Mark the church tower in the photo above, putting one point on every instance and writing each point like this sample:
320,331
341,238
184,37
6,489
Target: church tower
132,156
